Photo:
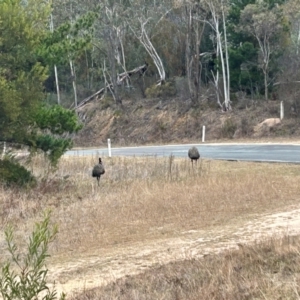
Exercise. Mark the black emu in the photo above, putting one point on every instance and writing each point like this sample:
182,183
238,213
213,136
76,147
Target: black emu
193,155
98,170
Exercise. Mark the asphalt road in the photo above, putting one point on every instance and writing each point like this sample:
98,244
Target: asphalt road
243,152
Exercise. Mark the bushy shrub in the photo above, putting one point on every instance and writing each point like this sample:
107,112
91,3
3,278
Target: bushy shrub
12,173
25,279
228,129
165,90
106,102
245,127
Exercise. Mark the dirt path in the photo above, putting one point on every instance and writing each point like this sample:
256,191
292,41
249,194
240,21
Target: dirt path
101,266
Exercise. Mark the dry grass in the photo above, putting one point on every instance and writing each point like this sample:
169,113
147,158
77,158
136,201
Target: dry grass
146,199
270,270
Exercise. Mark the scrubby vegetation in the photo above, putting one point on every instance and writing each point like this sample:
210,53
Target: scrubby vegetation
143,72
14,174
24,276
266,270
148,213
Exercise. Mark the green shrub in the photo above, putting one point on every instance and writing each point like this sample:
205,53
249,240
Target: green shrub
165,90
107,102
228,129
26,279
245,127
12,173
118,113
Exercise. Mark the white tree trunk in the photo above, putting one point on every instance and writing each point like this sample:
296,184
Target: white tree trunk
265,51
123,64
145,41
216,80
57,84
55,68
188,56
227,103
225,67
73,82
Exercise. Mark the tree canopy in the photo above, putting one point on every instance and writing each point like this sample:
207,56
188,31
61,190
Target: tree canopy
25,119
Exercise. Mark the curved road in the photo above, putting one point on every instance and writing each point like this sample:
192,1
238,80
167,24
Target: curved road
285,153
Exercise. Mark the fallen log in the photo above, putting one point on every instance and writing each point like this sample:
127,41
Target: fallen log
120,78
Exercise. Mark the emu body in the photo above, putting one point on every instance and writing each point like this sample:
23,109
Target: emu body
193,154
98,170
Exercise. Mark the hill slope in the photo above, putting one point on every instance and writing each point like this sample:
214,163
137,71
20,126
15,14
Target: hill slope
151,121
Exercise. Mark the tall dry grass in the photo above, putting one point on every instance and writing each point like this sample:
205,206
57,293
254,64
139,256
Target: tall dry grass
268,270
143,199
138,195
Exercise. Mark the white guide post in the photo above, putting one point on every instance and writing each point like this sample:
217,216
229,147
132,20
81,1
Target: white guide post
109,147
203,133
281,110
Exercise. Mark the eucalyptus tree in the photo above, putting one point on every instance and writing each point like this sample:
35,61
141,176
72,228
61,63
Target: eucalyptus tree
71,33
291,10
108,52
145,21
196,16
217,21
265,25
109,39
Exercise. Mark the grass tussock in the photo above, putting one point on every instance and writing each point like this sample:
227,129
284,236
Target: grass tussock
145,199
270,270
137,195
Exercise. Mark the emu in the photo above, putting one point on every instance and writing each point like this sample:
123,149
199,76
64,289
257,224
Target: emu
98,170
193,155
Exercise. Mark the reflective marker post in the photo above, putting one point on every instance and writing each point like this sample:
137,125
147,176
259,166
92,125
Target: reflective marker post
203,133
281,110
109,147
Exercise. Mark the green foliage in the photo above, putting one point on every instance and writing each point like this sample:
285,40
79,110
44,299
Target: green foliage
23,117
245,67
246,128
12,173
21,75
29,280
165,90
57,120
244,72
47,134
68,40
228,129
107,102
53,147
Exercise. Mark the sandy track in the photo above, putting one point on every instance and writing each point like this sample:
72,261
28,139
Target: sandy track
101,266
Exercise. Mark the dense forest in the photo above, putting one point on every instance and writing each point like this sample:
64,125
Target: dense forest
228,46
59,55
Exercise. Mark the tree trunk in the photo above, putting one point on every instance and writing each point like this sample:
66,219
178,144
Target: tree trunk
57,85
55,68
227,102
266,83
112,62
74,82
188,56
197,78
215,24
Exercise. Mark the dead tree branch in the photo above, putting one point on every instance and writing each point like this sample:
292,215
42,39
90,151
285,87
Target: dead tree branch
120,78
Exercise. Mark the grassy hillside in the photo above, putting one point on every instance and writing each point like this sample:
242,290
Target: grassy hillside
150,121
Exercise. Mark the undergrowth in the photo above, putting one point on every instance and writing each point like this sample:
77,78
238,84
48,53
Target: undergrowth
144,200
266,270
